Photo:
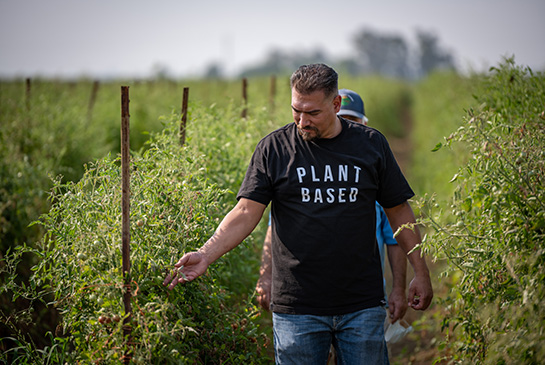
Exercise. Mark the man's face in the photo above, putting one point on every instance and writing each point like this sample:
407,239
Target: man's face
315,114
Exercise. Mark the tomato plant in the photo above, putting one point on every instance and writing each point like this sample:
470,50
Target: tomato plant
174,208
492,232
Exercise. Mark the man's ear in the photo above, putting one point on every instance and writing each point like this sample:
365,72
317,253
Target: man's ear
337,103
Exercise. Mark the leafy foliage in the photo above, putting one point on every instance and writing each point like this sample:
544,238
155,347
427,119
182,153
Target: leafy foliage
51,131
492,235
174,209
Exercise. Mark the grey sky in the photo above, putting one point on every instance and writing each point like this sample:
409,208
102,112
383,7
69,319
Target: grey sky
97,37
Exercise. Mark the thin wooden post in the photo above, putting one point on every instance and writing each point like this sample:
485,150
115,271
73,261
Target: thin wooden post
244,98
184,116
125,224
27,94
92,100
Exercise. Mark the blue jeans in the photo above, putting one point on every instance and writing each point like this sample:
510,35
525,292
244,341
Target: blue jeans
358,338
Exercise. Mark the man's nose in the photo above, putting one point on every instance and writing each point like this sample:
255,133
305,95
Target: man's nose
304,120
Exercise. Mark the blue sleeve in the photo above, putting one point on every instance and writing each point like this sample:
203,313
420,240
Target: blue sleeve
384,228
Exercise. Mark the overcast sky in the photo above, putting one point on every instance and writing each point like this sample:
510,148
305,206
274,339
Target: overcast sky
130,37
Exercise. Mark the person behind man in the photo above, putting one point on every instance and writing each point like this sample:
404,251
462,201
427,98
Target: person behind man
322,175
352,108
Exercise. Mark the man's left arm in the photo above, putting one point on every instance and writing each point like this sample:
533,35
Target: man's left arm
420,288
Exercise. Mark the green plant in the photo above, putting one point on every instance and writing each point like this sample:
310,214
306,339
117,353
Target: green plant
493,233
388,103
174,208
440,102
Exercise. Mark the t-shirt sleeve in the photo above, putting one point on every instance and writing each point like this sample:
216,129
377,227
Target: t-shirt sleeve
257,185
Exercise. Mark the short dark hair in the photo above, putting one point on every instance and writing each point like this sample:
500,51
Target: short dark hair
315,77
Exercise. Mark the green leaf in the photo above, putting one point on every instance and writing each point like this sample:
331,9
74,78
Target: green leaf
437,147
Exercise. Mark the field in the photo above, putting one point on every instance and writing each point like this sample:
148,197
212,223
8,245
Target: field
61,223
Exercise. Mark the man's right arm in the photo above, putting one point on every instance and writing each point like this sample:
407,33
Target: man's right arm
234,228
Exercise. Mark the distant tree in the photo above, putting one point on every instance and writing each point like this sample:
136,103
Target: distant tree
214,71
160,71
350,66
279,62
275,62
385,54
375,53
315,56
430,55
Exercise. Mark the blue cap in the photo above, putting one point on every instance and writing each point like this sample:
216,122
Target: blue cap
352,104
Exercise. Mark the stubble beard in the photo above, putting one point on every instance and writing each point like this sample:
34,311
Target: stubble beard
306,133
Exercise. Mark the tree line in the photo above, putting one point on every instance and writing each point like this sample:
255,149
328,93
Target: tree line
374,52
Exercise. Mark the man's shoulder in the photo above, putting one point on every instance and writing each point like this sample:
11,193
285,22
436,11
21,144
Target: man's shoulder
286,129
363,129
284,133
362,135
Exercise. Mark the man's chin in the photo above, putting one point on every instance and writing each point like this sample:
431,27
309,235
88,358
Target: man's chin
308,135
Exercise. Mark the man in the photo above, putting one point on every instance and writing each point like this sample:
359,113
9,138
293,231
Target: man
352,108
323,175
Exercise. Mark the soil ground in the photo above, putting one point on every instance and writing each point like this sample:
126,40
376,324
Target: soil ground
420,346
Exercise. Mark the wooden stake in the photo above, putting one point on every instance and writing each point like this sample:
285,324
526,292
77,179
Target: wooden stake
125,224
244,98
27,94
184,116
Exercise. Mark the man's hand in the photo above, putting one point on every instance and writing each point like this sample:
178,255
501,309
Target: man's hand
420,292
188,268
233,229
397,300
397,303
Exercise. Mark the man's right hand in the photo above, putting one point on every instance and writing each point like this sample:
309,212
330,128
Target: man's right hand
188,268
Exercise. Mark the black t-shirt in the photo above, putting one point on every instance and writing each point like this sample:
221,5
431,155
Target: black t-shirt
324,252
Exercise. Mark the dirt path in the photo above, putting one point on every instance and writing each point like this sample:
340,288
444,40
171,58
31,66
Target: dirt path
419,347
